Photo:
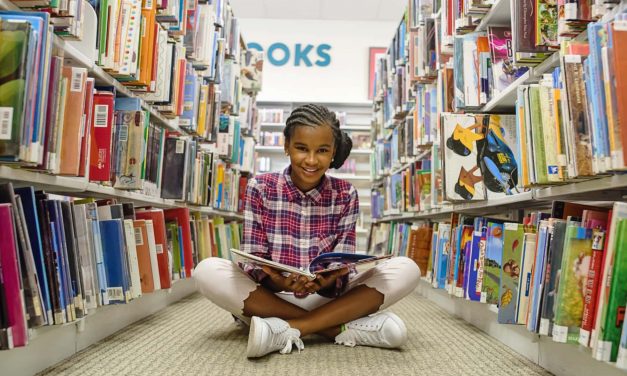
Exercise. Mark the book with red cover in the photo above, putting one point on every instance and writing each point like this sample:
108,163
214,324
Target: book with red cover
12,278
158,221
100,138
182,216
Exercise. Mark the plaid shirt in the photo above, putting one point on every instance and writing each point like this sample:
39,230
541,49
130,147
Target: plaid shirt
285,225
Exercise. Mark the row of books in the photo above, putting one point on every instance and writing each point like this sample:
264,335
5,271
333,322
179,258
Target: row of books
47,112
561,274
62,258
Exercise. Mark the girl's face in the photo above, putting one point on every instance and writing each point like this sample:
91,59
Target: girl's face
311,151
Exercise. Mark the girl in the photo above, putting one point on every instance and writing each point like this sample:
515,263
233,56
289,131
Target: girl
291,217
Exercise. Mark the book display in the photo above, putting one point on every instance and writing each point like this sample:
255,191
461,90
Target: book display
355,119
126,143
492,120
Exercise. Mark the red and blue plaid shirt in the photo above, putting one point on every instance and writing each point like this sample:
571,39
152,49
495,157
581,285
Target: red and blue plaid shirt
283,224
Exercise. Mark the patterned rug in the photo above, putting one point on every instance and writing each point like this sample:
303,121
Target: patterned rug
194,337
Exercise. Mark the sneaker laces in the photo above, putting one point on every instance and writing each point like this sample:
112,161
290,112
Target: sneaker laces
293,338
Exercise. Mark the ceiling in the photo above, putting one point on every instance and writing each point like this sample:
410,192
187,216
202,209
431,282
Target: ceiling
354,10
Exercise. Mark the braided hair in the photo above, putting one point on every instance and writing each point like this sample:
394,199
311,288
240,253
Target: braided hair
313,115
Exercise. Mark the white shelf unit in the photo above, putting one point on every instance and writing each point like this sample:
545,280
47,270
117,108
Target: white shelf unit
49,345
557,358
81,187
358,119
52,344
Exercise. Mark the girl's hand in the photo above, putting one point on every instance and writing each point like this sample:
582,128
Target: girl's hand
325,280
293,282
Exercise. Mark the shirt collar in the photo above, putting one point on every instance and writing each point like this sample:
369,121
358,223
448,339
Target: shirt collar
315,194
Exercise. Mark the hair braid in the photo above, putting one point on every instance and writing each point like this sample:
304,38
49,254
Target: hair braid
313,115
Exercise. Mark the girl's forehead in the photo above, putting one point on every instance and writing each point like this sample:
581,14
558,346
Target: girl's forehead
310,133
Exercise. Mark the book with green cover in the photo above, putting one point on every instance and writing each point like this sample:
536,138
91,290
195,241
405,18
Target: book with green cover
538,135
513,239
572,281
14,37
175,248
612,321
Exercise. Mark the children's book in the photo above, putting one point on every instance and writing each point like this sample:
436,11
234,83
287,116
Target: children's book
323,263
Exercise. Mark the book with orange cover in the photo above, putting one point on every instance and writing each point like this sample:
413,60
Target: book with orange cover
143,256
72,120
86,128
158,221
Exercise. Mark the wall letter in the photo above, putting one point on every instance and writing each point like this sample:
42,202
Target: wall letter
286,54
325,58
302,54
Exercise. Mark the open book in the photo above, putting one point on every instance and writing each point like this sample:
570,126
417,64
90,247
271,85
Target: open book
325,262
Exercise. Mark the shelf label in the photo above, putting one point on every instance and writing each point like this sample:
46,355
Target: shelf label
560,333
101,116
6,120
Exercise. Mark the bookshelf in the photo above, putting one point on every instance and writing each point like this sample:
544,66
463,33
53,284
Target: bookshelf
425,90
206,90
355,120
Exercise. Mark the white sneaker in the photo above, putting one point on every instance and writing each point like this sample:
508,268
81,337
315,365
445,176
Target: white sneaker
383,329
271,334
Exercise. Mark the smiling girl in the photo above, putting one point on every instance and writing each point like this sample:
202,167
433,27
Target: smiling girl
291,217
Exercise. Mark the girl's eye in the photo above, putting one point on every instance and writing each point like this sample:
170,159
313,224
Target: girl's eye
323,150
301,148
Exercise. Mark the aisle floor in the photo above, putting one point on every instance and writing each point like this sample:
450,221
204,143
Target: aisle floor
194,337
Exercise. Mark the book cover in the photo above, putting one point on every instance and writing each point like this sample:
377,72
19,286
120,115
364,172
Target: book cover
143,256
524,283
570,293
100,137
493,261
163,259
503,69
173,169
182,216
14,37
152,249
551,276
513,238
462,175
612,321
114,259
70,148
11,278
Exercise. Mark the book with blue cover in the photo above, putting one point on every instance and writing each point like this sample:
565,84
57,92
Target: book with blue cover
112,236
27,195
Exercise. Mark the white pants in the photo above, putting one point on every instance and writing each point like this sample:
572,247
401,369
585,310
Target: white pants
227,286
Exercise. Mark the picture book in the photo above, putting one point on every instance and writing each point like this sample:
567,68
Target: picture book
570,293
323,263
502,54
513,238
492,264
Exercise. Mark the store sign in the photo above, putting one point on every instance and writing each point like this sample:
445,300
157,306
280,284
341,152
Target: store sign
308,55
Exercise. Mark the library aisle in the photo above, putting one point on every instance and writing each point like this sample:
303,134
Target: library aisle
194,337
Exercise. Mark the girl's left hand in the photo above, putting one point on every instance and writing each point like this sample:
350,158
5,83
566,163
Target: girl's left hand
325,280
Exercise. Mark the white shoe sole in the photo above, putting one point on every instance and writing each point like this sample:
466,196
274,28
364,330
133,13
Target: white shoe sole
255,339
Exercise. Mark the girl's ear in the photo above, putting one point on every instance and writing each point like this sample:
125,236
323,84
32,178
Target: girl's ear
286,146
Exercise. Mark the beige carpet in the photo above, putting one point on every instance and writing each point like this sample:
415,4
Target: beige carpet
194,337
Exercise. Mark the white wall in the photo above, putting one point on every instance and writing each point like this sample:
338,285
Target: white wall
344,80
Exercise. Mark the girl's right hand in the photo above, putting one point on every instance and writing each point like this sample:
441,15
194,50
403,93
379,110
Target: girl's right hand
292,282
